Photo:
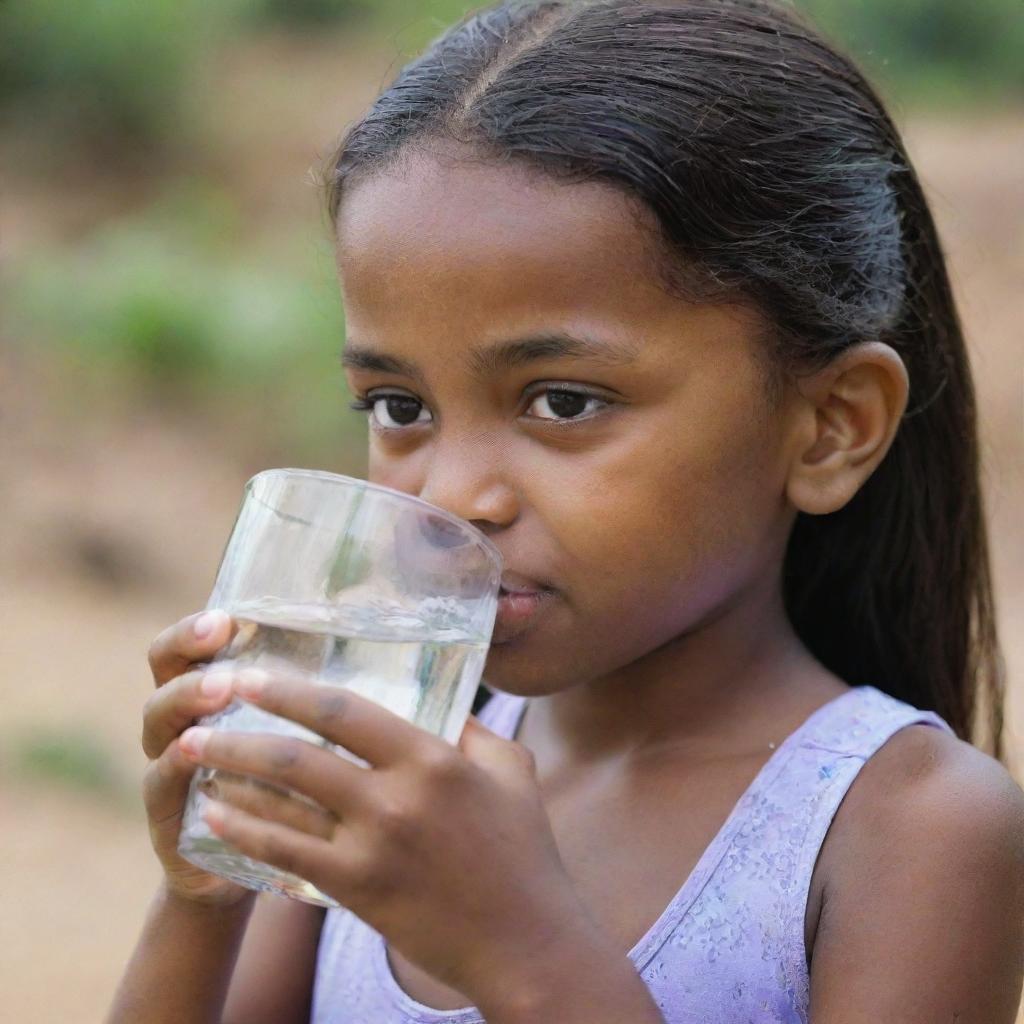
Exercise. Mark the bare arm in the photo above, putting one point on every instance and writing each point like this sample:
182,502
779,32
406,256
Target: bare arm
197,964
923,921
182,964
273,981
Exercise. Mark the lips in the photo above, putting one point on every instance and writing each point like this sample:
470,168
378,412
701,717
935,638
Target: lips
520,603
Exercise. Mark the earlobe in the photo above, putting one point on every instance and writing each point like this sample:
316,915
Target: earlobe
844,422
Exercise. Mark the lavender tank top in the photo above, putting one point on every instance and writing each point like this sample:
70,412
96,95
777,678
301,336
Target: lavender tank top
729,947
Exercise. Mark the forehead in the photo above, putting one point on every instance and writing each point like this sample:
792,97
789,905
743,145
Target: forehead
443,235
438,256
436,191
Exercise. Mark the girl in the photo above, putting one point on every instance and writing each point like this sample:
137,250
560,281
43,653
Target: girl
649,292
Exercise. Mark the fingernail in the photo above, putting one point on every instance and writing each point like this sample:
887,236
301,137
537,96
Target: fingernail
208,622
250,683
193,740
213,814
216,683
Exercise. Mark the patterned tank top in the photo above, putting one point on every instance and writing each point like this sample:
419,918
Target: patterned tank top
729,947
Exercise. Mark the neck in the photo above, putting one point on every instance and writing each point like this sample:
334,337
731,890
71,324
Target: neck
740,673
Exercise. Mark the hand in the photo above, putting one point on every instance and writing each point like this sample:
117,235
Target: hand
447,852
175,658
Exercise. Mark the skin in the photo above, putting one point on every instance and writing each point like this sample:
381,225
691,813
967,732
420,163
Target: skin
659,673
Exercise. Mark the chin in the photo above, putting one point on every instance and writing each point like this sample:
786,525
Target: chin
518,668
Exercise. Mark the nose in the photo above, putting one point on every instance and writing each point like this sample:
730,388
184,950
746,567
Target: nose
468,480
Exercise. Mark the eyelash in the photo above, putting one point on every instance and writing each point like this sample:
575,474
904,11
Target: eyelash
366,403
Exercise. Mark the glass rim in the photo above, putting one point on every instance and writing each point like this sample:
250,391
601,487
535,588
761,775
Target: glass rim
388,492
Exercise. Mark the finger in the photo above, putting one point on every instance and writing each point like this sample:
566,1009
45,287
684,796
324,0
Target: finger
284,761
359,725
299,854
272,804
195,638
164,788
177,704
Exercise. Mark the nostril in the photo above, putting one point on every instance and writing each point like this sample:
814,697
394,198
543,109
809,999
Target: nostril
441,533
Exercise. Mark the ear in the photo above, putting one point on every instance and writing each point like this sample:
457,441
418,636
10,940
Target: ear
844,419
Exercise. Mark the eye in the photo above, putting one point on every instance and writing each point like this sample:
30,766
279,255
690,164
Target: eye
391,411
561,404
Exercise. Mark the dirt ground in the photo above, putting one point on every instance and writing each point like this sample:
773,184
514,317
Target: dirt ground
114,524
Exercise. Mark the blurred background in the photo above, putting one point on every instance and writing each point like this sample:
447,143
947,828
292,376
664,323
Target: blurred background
171,325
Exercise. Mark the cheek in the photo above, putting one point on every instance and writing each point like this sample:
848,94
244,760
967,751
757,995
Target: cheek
650,541
668,526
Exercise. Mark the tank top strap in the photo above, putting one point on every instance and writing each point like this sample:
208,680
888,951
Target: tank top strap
807,794
863,722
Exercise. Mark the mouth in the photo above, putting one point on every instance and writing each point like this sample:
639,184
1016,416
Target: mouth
520,603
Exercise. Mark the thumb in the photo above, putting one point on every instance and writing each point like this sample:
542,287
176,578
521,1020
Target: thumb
486,748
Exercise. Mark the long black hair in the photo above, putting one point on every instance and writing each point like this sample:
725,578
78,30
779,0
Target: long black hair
776,177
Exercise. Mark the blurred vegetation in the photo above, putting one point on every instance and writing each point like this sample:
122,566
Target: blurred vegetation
170,293
307,12
170,302
69,760
104,69
937,53
124,67
170,308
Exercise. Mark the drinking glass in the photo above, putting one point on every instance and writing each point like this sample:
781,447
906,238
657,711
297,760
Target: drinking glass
354,585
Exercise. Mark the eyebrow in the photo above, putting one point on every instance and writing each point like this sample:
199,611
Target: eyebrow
503,355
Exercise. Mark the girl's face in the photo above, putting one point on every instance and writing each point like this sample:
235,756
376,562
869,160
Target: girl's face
527,373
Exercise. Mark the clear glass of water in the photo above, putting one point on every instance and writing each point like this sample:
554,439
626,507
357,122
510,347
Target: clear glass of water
353,585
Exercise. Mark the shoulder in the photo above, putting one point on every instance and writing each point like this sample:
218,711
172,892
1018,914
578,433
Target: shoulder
931,801
926,782
925,885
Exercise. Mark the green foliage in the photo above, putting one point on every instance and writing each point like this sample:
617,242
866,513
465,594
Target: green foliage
413,26
105,68
932,50
307,12
171,295
169,308
67,759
